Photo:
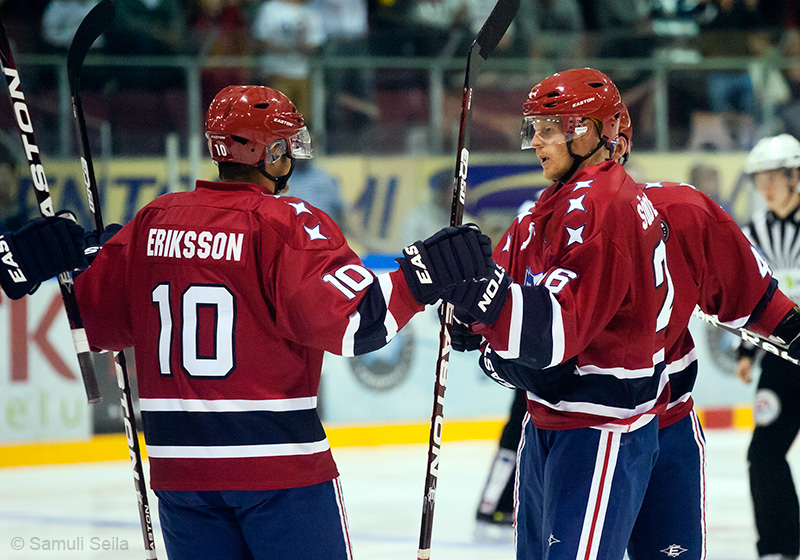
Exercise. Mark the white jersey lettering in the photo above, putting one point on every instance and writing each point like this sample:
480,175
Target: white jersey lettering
187,244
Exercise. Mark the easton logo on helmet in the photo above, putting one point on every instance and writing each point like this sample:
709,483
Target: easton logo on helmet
583,101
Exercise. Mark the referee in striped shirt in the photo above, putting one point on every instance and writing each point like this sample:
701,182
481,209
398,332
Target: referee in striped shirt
774,165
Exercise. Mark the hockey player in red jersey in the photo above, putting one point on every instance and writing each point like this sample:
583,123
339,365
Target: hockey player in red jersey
230,295
585,303
713,266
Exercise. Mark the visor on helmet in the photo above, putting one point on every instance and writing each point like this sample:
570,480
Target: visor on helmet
297,146
552,129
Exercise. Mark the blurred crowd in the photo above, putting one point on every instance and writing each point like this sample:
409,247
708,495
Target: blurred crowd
285,36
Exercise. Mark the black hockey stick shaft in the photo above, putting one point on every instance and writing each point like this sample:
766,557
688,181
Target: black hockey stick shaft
771,345
132,434
25,124
487,39
97,21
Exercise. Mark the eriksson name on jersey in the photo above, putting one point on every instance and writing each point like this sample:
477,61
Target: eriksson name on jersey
186,244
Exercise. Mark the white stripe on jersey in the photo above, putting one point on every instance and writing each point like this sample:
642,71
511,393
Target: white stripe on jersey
601,409
236,451
390,323
597,505
557,332
620,372
237,405
682,363
515,325
349,338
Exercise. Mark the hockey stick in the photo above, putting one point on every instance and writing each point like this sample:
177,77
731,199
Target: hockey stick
772,345
487,39
97,21
25,124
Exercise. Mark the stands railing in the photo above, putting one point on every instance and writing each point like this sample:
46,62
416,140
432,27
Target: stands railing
662,93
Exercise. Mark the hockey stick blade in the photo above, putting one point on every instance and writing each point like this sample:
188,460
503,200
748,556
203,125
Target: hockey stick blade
487,39
93,25
97,21
771,345
496,26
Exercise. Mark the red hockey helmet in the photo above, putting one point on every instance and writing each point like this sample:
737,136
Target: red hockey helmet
561,103
250,124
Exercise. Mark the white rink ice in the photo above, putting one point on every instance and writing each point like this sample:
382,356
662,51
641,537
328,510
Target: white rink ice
94,504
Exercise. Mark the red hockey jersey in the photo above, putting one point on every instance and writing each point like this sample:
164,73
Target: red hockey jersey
712,265
229,296
588,293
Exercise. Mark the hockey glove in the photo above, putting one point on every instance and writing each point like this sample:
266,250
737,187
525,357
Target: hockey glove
449,257
510,373
789,331
41,249
94,242
481,300
462,339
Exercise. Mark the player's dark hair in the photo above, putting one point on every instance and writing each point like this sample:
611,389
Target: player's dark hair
230,171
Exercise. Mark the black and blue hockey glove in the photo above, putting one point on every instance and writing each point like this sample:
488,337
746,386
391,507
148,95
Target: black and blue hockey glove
480,300
94,242
41,249
451,256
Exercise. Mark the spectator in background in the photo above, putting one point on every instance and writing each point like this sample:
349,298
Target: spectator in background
349,91
147,27
290,32
705,179
61,20
219,28
318,187
789,113
731,28
434,214
552,28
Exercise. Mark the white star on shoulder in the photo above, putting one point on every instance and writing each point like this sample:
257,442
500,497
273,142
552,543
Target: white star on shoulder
313,233
299,207
552,540
507,246
577,204
652,185
575,235
583,185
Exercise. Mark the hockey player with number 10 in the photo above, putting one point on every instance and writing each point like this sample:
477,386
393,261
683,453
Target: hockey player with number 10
230,295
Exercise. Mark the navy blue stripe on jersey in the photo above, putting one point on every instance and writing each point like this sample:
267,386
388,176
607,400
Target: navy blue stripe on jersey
681,382
763,302
372,332
208,429
563,388
532,321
